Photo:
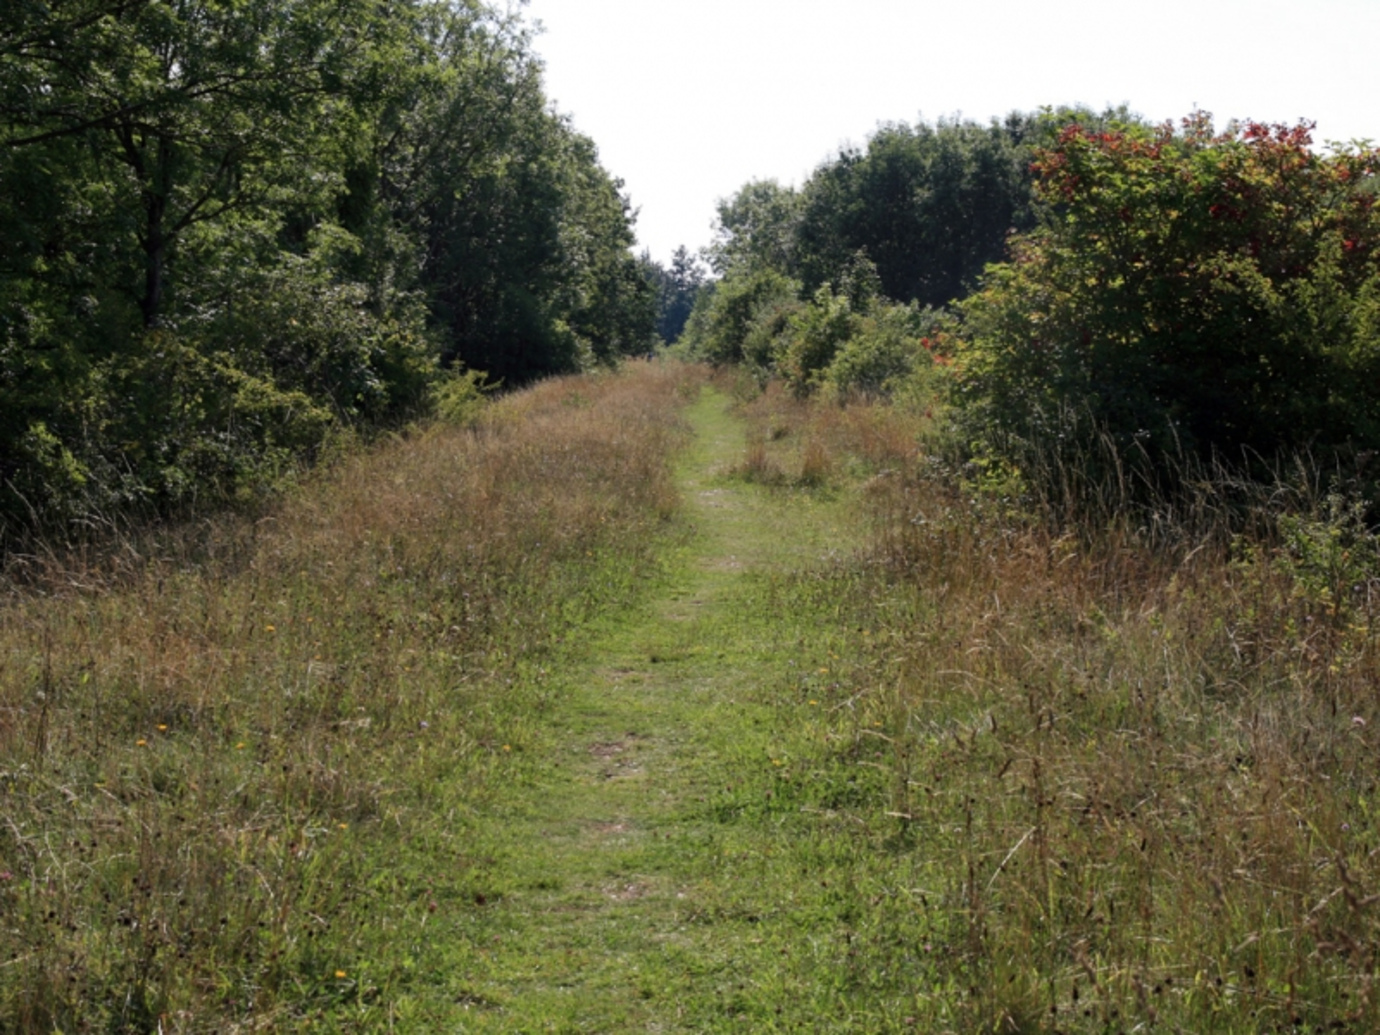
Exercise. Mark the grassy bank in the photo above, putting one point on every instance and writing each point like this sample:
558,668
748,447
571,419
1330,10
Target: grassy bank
1123,788
236,762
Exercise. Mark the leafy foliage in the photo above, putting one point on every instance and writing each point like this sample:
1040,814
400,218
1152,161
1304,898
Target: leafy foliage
890,347
756,228
233,228
1190,293
739,320
846,338
929,205
876,242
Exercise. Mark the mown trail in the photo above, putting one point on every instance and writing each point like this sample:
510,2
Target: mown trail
620,887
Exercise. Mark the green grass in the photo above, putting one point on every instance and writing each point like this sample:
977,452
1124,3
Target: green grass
695,843
843,770
646,873
795,735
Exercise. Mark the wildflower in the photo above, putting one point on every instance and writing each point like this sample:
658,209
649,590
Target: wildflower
814,702
507,747
270,628
162,727
6,875
340,973
141,743
241,746
343,826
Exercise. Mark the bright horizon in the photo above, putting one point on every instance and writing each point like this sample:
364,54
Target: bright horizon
686,109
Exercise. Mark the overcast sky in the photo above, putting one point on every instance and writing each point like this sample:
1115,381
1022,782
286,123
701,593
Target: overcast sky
689,100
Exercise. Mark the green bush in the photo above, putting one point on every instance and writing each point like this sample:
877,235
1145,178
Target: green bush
738,320
1190,295
459,397
814,336
888,346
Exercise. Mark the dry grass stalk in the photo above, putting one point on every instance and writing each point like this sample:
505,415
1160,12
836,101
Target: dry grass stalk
1134,740
209,739
1155,765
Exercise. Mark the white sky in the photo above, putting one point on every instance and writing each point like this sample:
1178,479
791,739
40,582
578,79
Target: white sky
690,99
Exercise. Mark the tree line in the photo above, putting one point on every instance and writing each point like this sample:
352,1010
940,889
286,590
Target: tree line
909,221
234,229
1086,289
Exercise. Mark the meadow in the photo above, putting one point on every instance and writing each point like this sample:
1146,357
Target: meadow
236,758
1136,754
651,702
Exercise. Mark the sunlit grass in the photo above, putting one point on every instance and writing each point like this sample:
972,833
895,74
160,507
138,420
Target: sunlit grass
219,749
873,751
1138,780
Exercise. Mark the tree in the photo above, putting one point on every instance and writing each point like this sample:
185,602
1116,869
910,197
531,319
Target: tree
677,289
525,239
232,225
930,206
188,113
756,228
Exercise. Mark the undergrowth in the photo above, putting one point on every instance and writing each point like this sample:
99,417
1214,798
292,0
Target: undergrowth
1113,779
236,762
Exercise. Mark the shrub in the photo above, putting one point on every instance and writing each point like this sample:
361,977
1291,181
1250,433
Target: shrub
458,398
1189,294
742,306
814,336
889,345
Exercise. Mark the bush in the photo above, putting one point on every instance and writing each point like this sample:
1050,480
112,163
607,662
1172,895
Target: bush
1190,294
814,336
889,346
458,397
214,405
734,322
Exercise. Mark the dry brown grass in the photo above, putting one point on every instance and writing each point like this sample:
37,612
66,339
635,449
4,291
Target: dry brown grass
214,743
1151,773
803,442
1139,763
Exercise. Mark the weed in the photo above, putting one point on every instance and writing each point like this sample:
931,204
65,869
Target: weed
228,752
1156,748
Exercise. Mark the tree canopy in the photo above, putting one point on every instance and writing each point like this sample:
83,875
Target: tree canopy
231,227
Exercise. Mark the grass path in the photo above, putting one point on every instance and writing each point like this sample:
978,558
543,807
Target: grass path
620,886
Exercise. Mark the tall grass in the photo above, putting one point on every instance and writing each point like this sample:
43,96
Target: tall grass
1134,745
794,441
219,745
